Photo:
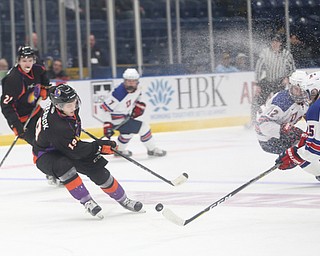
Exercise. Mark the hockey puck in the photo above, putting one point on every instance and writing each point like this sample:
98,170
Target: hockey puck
159,207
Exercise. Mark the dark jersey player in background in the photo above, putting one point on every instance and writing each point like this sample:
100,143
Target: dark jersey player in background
21,88
59,151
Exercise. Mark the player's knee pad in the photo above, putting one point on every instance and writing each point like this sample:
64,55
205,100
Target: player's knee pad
69,175
108,183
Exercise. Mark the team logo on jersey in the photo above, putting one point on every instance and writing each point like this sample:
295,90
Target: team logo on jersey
99,92
160,95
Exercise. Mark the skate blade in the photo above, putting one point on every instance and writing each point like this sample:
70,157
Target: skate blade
99,216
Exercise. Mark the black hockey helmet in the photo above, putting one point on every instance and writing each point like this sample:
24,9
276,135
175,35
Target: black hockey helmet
25,52
61,94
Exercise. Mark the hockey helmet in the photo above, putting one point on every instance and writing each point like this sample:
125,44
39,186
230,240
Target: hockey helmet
131,79
297,77
62,94
296,89
25,52
312,85
131,74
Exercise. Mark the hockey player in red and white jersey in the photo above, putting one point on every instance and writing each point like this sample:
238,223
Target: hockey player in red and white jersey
123,106
307,153
275,126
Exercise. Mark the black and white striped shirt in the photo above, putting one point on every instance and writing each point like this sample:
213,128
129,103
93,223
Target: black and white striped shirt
272,65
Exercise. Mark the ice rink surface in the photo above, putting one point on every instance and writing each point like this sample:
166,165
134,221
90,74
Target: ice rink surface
277,215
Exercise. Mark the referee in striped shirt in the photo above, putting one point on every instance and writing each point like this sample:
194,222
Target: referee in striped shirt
273,68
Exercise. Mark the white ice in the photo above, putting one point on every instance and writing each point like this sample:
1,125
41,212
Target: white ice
277,215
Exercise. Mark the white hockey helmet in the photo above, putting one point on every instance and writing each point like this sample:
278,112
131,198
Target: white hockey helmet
297,77
312,84
296,87
131,74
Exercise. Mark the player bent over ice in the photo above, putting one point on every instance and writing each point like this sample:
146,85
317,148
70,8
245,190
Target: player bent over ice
122,107
307,153
59,151
275,125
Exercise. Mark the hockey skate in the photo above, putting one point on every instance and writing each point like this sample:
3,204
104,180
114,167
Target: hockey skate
53,181
318,178
157,152
126,153
131,205
93,208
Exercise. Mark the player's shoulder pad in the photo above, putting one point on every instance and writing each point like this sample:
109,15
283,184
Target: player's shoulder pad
120,92
12,77
283,100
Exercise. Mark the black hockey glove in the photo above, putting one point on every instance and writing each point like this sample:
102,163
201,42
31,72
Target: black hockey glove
18,130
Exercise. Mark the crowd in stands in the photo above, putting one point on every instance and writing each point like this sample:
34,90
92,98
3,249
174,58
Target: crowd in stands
230,30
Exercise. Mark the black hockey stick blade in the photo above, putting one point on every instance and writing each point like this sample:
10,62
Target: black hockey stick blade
176,182
174,218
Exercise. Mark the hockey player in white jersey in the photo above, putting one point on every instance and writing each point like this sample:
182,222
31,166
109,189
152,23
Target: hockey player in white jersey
124,105
275,126
307,153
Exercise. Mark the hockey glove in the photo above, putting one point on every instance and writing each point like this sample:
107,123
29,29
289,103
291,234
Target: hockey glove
289,159
108,129
138,110
106,146
18,130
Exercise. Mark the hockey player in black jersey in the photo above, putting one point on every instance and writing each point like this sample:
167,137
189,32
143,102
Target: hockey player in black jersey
21,88
59,151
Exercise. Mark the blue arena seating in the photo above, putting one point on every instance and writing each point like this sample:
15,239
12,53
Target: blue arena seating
229,22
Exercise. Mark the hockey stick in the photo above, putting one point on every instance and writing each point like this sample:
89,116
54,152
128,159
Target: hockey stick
24,128
171,216
177,181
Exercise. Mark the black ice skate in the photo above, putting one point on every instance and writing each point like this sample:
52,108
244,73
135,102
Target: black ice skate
157,152
93,208
131,205
318,178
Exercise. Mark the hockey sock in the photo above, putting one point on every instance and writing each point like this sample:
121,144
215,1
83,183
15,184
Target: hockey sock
146,136
113,189
75,186
123,141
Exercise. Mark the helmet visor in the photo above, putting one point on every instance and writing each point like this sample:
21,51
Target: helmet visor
70,105
298,94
